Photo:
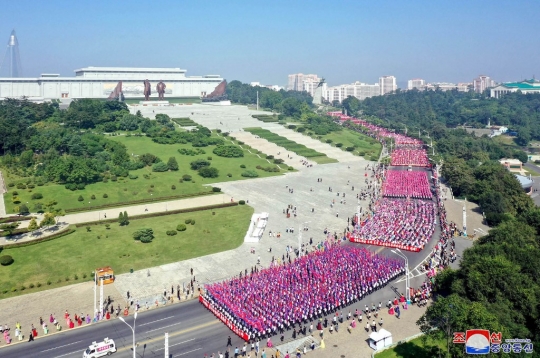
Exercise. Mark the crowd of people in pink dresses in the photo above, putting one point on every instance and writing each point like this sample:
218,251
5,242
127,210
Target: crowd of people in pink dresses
410,223
313,285
412,157
406,184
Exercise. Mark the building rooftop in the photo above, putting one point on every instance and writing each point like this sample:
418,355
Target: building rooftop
129,69
527,84
524,181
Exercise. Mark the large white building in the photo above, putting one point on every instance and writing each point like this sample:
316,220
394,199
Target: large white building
387,84
302,82
357,89
416,83
447,86
482,83
527,86
99,82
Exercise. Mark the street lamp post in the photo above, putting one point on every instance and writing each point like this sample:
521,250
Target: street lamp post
407,283
132,330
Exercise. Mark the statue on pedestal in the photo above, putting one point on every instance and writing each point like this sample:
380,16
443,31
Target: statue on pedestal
160,89
147,90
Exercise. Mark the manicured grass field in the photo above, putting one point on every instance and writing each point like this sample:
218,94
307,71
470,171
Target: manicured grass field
361,142
415,349
81,252
297,148
125,189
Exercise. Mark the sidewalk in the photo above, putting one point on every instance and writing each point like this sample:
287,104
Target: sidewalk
354,344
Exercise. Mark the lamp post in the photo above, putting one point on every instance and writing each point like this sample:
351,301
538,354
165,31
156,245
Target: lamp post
407,286
132,330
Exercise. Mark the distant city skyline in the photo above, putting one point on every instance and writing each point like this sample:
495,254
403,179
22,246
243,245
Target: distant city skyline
254,41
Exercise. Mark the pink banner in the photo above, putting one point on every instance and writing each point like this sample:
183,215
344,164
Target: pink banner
224,319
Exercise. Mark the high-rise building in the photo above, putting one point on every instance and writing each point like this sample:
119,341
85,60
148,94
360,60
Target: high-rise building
387,84
416,83
301,82
482,82
357,89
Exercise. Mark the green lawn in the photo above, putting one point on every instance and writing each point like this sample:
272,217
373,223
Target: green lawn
361,142
415,349
81,252
288,144
125,189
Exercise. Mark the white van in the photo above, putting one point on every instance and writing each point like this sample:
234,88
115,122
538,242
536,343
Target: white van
100,349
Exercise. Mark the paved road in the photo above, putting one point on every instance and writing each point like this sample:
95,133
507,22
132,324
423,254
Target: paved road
193,331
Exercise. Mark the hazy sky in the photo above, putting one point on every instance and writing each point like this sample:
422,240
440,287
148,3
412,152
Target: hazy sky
343,41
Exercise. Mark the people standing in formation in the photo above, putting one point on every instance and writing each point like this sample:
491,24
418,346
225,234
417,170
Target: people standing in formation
407,184
275,299
412,157
405,222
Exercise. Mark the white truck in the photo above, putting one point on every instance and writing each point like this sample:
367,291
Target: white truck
100,349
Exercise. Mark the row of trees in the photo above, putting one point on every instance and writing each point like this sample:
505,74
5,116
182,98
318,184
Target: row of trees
289,103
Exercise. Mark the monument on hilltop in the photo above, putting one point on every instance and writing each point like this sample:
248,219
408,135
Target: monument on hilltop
147,90
218,94
317,94
160,89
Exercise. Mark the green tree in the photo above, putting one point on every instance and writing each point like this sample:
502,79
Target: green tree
144,235
23,209
121,218
351,105
33,225
209,172
172,164
126,218
48,220
10,227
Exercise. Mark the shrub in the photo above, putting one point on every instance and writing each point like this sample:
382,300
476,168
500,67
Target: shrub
349,149
242,202
215,189
228,151
6,260
93,197
269,157
76,277
107,226
133,176
172,164
49,282
291,126
192,222
240,143
339,145
243,166
181,227
329,141
301,129
80,198
160,167
105,196
208,158
225,134
144,235
229,175
71,187
218,130
114,178
278,161
21,186
11,185
207,172
198,164
186,177
15,193
361,154
173,187
31,285
250,174
187,221
38,284
36,196
171,232
290,168
81,186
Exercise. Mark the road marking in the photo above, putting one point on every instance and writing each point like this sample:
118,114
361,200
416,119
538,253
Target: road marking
161,338
157,329
172,345
67,354
144,324
65,345
181,354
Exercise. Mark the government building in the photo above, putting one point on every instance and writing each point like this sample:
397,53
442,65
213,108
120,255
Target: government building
527,86
100,82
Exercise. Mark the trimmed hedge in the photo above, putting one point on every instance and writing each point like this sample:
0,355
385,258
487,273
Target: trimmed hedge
6,260
62,233
140,201
163,213
11,219
181,227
